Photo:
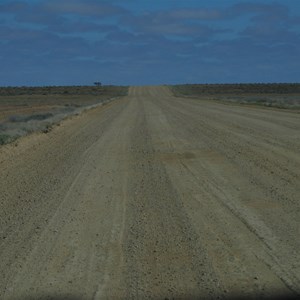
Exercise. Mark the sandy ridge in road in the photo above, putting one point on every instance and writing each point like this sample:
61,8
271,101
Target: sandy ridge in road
153,196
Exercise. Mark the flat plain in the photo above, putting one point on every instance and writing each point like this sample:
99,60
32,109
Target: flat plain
25,110
154,196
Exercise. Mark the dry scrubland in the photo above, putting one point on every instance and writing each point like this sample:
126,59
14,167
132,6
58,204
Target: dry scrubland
27,109
278,95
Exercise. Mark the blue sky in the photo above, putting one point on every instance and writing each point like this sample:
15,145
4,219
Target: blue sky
138,42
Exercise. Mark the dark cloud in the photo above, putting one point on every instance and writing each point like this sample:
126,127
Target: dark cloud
270,23
272,14
261,8
13,7
29,44
162,23
267,33
56,12
81,27
35,16
12,34
29,13
83,8
196,14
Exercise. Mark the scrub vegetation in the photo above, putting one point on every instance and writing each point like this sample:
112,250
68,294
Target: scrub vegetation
27,109
279,95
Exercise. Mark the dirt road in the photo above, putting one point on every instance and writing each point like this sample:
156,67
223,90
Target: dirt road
153,196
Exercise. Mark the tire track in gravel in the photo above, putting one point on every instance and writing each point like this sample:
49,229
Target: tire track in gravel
161,246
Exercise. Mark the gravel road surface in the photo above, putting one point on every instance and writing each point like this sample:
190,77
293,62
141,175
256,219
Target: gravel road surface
157,197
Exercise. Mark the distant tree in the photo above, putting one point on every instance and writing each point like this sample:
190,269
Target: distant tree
97,83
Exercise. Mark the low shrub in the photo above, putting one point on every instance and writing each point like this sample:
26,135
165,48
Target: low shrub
5,139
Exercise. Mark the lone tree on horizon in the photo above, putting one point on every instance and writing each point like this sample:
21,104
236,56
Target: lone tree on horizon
97,83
